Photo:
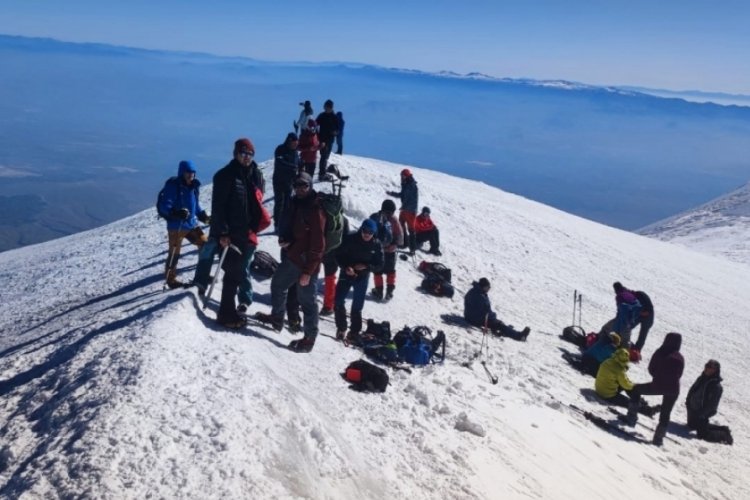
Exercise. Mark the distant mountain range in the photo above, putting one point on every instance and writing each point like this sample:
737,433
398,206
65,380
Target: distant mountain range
719,227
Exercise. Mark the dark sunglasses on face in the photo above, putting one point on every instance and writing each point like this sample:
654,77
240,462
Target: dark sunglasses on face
249,154
369,233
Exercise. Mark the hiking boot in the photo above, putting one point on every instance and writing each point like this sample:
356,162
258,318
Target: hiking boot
389,292
340,334
525,334
305,344
325,311
632,417
377,292
172,284
659,433
295,325
269,319
242,308
234,323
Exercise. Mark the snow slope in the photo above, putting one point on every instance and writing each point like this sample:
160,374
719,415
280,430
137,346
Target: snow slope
114,388
719,227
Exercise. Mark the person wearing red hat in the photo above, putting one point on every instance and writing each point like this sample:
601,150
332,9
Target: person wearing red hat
237,216
409,196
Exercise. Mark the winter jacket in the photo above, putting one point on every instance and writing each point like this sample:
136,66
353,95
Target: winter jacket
666,365
423,223
647,307
355,250
628,311
328,127
285,164
613,374
303,228
703,397
304,115
179,195
236,207
409,195
390,235
477,306
263,223
308,147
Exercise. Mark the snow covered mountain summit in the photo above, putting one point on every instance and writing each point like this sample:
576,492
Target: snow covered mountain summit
719,227
114,388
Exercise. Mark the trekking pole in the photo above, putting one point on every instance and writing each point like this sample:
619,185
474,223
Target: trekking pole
172,253
486,345
575,299
216,274
580,309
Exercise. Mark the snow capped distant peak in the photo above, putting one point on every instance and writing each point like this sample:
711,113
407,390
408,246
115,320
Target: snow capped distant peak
720,227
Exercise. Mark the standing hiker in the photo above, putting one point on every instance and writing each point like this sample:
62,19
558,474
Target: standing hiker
285,167
478,312
238,214
703,402
645,318
304,115
409,196
179,203
666,368
308,147
340,135
390,237
426,230
328,129
359,254
302,235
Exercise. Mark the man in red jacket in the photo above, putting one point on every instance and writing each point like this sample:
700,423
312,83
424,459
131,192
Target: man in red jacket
302,236
427,231
666,368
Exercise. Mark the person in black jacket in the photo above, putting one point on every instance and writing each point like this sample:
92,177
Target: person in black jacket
328,129
645,319
359,254
702,403
236,213
286,165
478,312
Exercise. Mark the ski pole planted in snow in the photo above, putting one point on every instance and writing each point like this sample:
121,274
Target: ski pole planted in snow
216,274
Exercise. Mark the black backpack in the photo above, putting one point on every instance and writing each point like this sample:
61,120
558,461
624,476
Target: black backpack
162,194
264,263
435,268
365,377
435,285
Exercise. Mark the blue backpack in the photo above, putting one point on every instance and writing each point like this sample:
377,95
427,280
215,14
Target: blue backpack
385,231
417,346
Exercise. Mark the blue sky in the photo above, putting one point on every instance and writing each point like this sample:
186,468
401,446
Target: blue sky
680,45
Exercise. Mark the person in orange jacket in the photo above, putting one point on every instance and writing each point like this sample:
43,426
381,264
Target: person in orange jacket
426,230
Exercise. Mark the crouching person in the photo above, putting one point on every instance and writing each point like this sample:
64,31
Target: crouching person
359,254
478,312
702,403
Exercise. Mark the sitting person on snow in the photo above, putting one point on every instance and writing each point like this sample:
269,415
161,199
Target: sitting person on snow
598,353
359,254
478,312
702,403
426,230
612,378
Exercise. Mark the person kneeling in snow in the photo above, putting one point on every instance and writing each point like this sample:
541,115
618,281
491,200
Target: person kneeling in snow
702,403
426,230
478,312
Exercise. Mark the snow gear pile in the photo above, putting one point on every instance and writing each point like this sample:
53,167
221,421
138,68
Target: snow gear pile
417,346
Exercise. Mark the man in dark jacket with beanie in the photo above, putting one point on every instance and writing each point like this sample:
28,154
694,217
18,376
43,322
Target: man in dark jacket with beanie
359,254
302,234
409,196
328,129
286,164
702,403
237,213
478,312
666,368
390,237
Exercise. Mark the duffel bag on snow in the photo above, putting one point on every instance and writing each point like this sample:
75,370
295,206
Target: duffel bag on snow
437,286
366,377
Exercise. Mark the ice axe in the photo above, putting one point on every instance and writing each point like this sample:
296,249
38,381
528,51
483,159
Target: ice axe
216,274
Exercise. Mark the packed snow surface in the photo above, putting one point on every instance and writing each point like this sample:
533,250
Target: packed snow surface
719,227
114,388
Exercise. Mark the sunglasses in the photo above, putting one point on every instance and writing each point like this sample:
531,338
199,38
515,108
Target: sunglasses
369,233
301,185
249,154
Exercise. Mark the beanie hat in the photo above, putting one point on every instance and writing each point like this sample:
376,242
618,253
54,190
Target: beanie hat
186,166
304,177
328,104
406,173
617,286
615,338
243,145
291,136
426,210
484,282
369,226
388,206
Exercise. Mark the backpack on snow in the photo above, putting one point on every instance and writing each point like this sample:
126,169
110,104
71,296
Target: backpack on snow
428,268
162,196
437,286
264,263
416,345
365,377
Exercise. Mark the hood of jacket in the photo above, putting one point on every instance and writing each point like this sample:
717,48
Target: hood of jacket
672,343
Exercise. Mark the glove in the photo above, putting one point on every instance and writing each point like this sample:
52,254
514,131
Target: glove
204,217
181,213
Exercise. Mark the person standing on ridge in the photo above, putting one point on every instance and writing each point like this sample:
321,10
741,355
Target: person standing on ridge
304,115
285,168
340,136
390,237
179,203
409,196
308,147
328,129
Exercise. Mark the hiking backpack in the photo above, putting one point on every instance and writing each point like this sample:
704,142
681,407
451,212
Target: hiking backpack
436,268
416,345
437,286
162,195
365,377
264,263
336,223
385,229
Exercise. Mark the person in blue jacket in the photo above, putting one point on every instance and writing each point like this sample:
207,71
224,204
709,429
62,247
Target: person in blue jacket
179,204
478,312
340,136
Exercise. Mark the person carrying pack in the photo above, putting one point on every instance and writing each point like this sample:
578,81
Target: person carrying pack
390,236
179,203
